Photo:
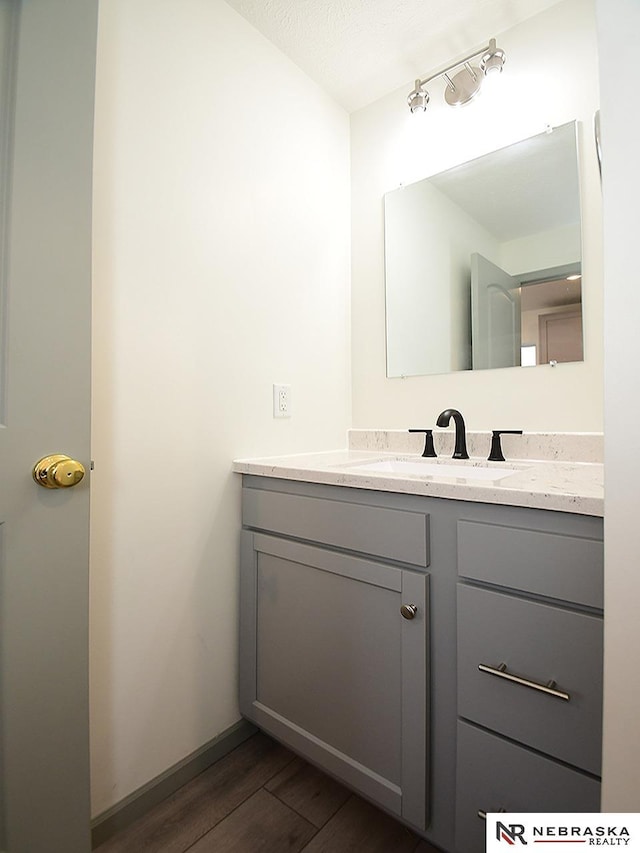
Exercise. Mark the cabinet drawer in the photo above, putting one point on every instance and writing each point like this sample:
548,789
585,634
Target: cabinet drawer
389,533
494,774
556,565
539,643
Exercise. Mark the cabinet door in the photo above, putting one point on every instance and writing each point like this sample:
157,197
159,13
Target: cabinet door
330,667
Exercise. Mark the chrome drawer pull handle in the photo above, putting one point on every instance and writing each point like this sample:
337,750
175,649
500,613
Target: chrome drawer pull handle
483,815
501,672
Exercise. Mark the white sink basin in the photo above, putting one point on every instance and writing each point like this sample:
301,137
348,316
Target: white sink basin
442,470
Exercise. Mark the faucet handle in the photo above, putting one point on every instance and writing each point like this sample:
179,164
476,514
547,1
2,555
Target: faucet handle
495,454
429,449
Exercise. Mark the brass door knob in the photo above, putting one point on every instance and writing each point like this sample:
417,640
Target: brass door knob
57,472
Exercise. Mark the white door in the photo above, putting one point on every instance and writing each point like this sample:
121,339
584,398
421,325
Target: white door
47,56
495,315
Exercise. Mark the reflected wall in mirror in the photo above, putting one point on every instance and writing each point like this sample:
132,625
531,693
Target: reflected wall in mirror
483,262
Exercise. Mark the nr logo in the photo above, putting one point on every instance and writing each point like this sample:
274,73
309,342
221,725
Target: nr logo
510,832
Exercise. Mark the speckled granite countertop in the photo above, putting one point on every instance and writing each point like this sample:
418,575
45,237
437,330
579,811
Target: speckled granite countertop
554,471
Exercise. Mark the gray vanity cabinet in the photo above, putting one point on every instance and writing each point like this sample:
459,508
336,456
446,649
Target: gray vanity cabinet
426,716
330,666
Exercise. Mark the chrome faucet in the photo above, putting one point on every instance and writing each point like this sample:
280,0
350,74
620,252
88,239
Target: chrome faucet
444,418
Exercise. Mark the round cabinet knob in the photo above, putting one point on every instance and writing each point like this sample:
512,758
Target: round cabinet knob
408,610
57,472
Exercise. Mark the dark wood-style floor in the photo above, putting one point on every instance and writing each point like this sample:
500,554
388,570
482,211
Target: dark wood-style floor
261,798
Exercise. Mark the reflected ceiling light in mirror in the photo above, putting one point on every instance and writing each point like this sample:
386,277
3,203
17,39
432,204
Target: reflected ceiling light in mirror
463,86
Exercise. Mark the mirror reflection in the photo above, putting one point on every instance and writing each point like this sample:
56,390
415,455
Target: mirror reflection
483,262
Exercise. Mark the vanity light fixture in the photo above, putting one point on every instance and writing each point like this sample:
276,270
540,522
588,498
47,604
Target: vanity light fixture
463,86
418,99
493,59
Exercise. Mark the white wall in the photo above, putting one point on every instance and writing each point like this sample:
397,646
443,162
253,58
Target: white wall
618,28
550,78
221,265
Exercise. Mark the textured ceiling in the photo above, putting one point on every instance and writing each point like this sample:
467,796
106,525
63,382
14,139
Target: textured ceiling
359,50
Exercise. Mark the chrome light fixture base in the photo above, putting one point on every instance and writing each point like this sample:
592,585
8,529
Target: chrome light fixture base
463,86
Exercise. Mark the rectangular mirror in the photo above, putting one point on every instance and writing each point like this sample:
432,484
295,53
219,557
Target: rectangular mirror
483,262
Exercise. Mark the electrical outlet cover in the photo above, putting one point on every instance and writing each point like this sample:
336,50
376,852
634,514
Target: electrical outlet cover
281,401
